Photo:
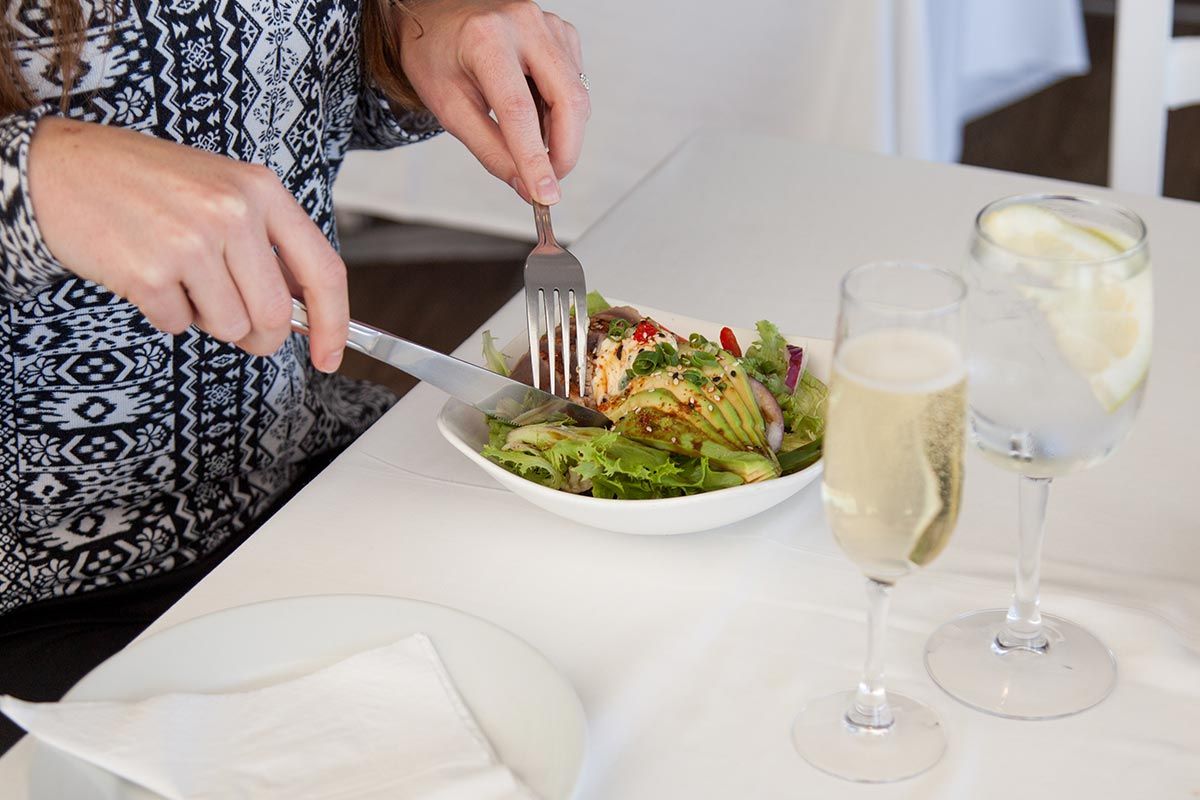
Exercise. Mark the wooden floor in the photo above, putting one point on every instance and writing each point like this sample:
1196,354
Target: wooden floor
437,285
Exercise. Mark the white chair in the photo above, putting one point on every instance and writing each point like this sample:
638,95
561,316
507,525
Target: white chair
1153,72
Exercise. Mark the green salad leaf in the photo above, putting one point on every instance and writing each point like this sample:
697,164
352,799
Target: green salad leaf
803,409
605,462
492,355
596,303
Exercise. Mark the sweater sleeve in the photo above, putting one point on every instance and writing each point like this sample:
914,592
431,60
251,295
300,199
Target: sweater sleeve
377,126
26,264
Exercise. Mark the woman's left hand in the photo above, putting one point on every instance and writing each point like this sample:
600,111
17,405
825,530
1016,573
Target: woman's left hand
466,58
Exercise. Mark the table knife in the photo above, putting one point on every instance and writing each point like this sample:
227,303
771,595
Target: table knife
495,395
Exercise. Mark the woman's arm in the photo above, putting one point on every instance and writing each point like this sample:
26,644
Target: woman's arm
184,235
26,264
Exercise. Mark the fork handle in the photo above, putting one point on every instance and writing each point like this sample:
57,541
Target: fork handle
541,220
541,213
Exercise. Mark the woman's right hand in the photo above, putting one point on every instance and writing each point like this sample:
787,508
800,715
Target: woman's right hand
186,236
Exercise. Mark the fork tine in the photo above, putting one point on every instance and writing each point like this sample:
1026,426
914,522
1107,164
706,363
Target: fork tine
548,312
533,318
568,296
563,308
581,327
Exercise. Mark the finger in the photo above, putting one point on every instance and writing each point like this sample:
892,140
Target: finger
167,309
259,278
502,83
574,45
467,120
320,274
219,308
557,78
567,36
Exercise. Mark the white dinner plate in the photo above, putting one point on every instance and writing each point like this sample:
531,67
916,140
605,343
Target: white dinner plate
529,712
466,429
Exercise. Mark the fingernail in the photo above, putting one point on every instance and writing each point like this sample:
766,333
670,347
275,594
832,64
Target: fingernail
334,361
519,187
548,191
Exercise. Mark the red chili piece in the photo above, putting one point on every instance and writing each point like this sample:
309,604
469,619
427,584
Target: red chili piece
645,331
729,342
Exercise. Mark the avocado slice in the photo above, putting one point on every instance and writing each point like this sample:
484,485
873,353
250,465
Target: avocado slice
633,417
675,427
738,380
735,388
727,405
727,424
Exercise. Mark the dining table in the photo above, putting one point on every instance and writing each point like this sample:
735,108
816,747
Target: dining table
692,654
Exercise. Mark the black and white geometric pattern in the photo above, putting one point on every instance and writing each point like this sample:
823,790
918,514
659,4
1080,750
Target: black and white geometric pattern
125,451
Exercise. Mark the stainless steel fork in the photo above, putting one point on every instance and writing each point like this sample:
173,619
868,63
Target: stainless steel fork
554,282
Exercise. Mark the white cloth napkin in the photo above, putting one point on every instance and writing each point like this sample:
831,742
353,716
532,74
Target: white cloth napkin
385,723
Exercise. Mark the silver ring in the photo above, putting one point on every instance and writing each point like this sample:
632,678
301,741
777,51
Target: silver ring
587,85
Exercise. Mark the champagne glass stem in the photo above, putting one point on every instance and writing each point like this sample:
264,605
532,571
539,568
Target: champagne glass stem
1023,626
870,708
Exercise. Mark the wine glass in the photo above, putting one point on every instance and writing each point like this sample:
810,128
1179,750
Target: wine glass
1059,330
894,445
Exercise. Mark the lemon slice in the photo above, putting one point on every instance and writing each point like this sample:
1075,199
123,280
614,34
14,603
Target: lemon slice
1037,232
1101,326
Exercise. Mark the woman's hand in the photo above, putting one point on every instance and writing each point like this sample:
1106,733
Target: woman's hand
468,57
186,236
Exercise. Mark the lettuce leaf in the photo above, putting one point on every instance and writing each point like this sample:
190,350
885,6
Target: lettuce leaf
498,431
804,415
596,303
606,463
804,409
768,354
492,356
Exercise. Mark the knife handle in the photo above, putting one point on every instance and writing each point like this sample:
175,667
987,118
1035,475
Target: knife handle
362,338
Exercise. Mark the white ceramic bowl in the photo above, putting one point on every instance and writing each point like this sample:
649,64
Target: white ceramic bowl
466,429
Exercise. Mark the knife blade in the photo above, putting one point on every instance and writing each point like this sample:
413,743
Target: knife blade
495,395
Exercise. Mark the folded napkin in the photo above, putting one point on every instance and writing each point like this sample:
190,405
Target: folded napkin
385,723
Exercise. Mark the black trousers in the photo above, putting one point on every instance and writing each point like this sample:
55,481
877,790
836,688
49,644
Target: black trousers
46,647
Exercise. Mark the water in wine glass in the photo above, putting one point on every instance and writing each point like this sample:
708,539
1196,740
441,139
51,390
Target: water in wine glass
1059,332
894,448
1059,318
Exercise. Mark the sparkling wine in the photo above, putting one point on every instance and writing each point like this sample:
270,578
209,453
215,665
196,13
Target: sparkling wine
894,448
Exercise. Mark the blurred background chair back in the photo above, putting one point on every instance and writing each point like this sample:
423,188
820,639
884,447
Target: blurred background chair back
1153,72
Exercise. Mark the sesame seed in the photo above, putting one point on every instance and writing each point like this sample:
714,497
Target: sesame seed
710,407
673,440
676,381
717,398
649,429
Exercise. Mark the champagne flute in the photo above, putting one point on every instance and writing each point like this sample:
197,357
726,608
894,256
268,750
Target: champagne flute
1059,324
893,454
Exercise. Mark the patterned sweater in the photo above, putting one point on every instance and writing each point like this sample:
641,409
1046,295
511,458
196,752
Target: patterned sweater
125,451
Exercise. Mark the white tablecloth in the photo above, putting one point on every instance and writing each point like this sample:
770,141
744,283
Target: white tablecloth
693,653
890,76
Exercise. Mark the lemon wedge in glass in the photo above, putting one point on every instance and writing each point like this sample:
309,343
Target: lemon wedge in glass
1101,318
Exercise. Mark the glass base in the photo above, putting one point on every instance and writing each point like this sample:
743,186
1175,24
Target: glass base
1074,672
913,743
